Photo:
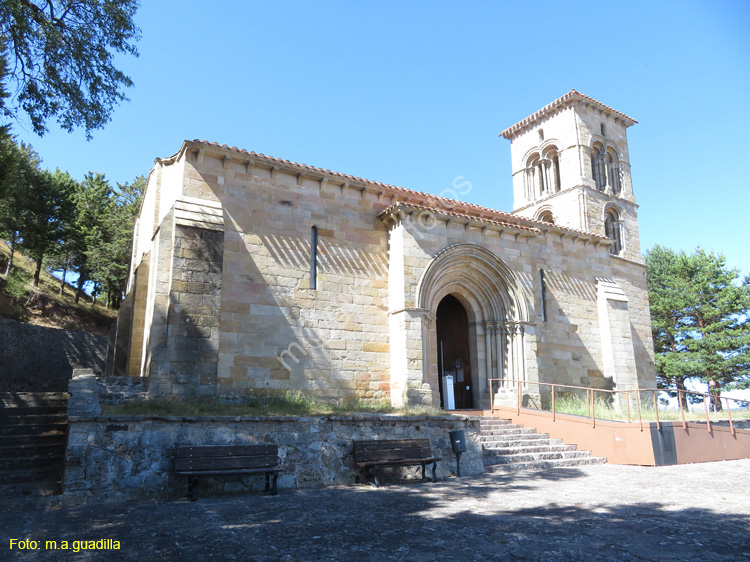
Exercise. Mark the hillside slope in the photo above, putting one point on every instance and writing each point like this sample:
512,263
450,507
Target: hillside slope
44,306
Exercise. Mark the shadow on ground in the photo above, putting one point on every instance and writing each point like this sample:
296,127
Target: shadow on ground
524,516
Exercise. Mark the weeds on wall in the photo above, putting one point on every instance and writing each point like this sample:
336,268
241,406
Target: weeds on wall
275,404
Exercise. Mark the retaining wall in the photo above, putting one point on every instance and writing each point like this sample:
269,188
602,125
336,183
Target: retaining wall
121,458
130,458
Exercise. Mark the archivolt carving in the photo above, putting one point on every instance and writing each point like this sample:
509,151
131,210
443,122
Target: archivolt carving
478,276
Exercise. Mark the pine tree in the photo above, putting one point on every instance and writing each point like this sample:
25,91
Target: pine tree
700,315
92,200
20,175
46,215
110,256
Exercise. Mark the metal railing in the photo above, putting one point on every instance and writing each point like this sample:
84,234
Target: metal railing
615,402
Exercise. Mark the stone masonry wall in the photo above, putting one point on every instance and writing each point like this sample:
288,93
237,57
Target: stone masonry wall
111,459
39,359
276,331
187,362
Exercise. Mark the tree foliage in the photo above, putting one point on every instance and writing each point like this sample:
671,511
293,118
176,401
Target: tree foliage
20,172
67,226
700,315
108,232
92,203
46,215
61,58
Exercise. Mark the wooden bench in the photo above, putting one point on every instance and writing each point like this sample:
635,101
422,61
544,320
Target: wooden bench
375,454
228,460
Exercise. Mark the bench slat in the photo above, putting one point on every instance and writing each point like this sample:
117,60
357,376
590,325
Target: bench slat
226,451
228,472
392,454
421,460
236,462
390,444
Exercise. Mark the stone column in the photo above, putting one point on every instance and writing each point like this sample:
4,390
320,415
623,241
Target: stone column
489,336
501,335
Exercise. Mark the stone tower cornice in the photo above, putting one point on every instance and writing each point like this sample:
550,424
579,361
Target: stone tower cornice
560,104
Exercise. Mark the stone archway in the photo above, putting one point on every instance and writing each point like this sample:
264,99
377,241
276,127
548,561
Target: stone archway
497,315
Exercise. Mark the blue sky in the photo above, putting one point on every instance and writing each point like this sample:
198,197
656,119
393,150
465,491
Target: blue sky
415,94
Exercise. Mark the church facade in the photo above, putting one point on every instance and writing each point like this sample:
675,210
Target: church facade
251,273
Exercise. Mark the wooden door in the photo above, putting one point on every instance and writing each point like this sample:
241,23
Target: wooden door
453,351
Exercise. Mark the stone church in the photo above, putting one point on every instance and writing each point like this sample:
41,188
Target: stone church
252,273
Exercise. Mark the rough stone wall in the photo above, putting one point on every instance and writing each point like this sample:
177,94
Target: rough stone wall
112,459
39,359
118,389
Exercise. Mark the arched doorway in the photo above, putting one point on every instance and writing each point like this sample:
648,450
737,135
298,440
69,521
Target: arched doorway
454,356
497,316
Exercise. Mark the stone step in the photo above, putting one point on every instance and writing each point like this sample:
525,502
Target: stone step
31,419
41,461
529,449
25,494
493,422
35,474
32,429
518,430
500,427
513,437
542,465
32,449
535,457
498,443
49,438
10,412
27,399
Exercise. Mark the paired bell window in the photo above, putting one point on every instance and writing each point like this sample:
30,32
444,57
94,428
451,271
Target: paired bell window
606,169
543,173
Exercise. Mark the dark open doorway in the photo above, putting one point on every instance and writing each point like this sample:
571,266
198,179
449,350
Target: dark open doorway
454,359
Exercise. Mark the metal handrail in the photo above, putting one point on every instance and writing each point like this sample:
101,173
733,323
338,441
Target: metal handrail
590,402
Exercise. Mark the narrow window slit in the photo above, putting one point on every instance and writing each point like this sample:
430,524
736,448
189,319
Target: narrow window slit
313,257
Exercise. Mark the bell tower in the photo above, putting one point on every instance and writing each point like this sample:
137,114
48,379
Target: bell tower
571,167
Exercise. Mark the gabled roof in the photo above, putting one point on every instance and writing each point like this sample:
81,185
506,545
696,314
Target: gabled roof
560,103
403,196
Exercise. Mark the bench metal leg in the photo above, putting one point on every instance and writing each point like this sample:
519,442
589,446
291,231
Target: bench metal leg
434,476
192,494
423,476
272,489
375,476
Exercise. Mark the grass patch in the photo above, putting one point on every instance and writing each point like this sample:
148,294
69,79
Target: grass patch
290,403
604,408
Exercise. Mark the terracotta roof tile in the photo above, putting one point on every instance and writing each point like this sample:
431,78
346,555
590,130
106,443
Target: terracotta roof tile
459,215
420,198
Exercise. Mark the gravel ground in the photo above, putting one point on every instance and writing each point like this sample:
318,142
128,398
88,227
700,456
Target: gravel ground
600,513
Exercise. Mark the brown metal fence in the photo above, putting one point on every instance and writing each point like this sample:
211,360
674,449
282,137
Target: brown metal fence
597,403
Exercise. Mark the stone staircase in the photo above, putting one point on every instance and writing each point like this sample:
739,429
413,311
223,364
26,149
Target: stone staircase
508,447
33,437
